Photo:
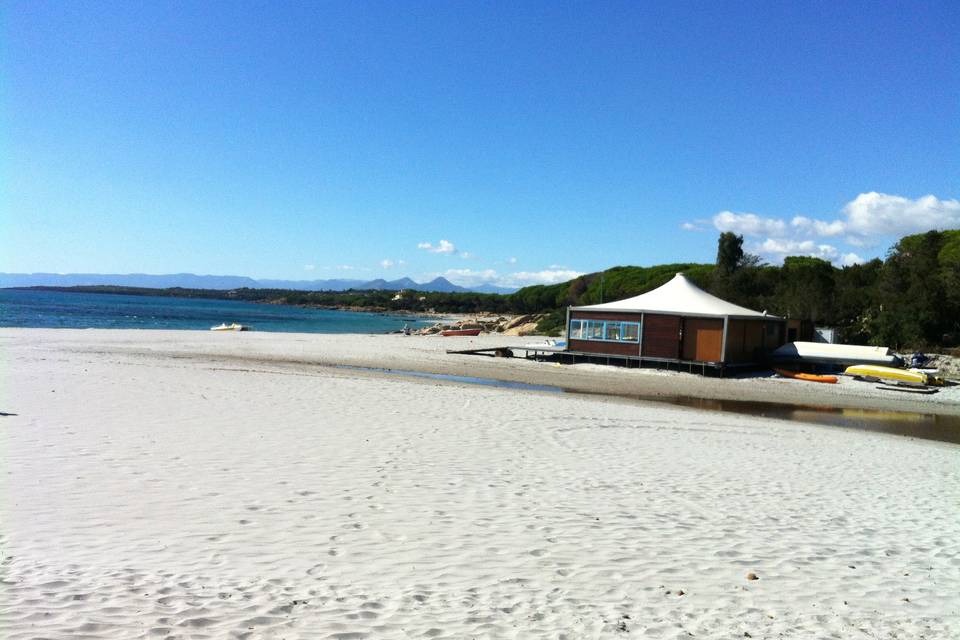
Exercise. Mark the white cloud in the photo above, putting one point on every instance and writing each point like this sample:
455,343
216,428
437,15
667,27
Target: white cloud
472,277
343,267
469,277
466,255
850,259
749,224
867,221
387,263
872,214
778,248
700,224
818,227
444,246
309,267
512,260
547,276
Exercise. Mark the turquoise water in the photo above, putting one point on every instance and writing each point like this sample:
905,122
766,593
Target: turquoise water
55,309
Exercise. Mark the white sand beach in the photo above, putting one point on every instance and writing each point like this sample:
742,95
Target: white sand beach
195,485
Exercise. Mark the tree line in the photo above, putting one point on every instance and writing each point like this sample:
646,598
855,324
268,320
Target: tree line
910,299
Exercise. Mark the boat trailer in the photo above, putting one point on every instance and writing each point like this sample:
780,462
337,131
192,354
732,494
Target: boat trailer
493,352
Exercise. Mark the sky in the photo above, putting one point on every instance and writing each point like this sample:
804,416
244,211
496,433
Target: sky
512,143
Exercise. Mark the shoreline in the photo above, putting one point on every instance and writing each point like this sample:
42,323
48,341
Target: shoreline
426,354
277,302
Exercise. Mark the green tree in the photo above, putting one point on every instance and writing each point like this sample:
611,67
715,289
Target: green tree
806,288
919,305
729,252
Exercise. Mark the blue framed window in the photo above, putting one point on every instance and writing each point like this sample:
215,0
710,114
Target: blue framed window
605,330
576,330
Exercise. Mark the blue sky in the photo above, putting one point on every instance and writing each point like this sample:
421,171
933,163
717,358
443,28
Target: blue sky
505,142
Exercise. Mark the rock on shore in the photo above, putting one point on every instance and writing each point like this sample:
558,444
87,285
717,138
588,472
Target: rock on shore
525,325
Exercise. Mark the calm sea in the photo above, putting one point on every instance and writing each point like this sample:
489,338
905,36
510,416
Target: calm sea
109,311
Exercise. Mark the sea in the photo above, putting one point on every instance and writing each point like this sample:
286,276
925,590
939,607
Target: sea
58,309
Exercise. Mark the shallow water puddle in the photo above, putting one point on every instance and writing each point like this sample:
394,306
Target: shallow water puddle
925,426
487,382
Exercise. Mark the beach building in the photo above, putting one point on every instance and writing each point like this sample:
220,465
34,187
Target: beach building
677,323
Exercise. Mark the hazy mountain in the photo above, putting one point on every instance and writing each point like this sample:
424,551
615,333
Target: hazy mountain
379,283
309,285
442,284
402,283
493,288
185,280
193,281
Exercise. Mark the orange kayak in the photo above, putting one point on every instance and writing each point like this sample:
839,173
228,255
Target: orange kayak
810,377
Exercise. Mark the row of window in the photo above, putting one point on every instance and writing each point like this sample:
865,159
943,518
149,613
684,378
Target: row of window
606,330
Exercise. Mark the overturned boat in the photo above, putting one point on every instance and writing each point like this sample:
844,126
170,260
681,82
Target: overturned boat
835,354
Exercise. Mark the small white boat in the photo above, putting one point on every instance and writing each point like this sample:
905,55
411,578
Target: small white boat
547,345
230,327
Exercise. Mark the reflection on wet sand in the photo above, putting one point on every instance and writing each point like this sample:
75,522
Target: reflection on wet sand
904,423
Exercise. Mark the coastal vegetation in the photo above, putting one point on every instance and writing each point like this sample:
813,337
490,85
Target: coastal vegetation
911,299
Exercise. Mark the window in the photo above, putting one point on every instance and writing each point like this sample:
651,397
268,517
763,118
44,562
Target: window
576,329
594,330
613,331
605,330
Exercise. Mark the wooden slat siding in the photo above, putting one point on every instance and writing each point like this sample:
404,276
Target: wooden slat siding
753,339
605,348
780,337
735,335
746,341
661,336
702,339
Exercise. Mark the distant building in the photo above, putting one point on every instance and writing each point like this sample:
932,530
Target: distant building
675,323
825,334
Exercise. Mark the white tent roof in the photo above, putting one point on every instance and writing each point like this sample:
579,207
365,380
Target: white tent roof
679,296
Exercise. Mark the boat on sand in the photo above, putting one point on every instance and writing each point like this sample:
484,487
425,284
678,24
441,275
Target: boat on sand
809,377
835,354
460,332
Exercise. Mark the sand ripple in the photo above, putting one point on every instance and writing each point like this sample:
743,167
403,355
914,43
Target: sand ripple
146,499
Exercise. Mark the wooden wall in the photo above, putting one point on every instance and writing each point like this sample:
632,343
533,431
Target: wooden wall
752,340
606,348
702,339
661,336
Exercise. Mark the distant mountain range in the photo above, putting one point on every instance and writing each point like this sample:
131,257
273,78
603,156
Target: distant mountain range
193,281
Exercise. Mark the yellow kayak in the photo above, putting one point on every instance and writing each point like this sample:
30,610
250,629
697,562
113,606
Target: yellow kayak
876,372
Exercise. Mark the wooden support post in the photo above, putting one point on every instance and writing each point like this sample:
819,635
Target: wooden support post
640,347
723,341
